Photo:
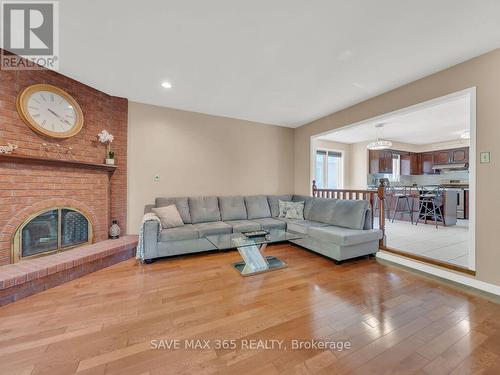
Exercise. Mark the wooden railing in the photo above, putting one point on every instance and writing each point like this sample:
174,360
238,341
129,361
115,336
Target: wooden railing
371,196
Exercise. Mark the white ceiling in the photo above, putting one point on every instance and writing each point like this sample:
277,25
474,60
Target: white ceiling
442,122
283,62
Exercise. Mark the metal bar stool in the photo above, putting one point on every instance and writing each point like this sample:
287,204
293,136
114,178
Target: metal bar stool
431,201
405,196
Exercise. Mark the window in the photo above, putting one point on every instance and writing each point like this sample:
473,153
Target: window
396,168
328,169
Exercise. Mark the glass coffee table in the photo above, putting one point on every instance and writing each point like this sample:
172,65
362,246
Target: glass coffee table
252,250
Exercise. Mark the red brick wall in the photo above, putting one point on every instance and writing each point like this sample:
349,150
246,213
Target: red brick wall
28,187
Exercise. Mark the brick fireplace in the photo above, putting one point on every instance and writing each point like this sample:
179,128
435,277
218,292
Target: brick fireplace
44,173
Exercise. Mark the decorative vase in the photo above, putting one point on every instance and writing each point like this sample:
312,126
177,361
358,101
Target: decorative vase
110,161
114,230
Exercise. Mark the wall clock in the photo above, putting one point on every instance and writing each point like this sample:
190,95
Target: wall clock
50,111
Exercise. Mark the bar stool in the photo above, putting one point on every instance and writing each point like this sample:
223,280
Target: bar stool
430,205
405,196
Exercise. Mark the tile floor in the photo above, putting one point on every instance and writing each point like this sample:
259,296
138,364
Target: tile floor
448,244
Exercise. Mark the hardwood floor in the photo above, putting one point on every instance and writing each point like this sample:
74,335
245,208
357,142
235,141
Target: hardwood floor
395,321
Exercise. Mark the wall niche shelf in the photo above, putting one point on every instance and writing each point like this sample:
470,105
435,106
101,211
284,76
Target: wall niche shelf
19,158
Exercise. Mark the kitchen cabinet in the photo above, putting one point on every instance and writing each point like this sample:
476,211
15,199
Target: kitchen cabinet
415,164
411,164
459,155
380,161
427,162
442,157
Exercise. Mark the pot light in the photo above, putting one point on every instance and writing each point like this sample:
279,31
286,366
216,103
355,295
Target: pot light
379,144
166,85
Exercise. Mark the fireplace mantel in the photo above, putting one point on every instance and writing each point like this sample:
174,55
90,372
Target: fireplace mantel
12,158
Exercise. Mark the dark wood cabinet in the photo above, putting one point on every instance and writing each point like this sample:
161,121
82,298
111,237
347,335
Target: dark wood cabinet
442,157
380,161
459,155
427,162
416,163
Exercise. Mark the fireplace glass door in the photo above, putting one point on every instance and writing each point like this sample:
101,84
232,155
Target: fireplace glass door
53,230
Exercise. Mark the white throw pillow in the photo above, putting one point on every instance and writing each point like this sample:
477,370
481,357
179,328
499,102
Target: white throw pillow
169,216
291,210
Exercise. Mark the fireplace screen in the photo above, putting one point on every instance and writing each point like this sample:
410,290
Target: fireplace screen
51,231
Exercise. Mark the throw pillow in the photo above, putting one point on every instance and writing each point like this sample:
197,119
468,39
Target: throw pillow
169,216
291,210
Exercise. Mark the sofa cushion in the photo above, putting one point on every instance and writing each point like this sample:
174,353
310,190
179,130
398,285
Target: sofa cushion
187,232
307,203
204,209
216,227
270,223
321,209
302,226
169,216
257,207
345,236
291,210
232,208
181,203
243,225
350,213
273,201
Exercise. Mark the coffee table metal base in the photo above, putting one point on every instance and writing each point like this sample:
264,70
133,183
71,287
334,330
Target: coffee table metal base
255,262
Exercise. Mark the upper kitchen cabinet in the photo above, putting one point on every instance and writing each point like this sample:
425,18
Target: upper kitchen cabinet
459,155
454,156
380,161
442,157
411,164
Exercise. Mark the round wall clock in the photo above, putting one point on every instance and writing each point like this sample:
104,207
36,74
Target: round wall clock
50,111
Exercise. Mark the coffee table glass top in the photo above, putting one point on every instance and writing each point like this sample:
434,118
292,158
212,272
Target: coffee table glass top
238,240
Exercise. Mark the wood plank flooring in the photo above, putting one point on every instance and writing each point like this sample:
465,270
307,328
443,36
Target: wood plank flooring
396,321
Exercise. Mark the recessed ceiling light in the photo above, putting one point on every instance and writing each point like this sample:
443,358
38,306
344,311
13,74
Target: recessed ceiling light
166,85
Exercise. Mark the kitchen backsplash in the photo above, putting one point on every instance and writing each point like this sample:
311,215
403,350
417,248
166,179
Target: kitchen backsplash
426,179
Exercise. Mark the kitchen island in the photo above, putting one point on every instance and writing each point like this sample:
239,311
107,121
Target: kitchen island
448,207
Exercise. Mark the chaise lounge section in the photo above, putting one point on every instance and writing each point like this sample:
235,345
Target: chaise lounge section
338,229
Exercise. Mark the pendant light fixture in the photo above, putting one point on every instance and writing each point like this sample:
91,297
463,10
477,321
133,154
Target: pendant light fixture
379,144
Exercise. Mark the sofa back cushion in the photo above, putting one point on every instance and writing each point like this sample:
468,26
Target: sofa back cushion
321,209
273,201
350,213
257,207
181,203
344,213
204,209
232,208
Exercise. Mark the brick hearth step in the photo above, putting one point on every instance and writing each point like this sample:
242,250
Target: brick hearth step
35,275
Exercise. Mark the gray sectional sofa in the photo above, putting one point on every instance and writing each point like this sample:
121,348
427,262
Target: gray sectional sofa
338,229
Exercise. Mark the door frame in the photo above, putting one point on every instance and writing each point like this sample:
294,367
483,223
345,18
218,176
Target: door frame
471,93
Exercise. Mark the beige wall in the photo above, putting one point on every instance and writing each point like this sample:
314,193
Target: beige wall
197,154
482,72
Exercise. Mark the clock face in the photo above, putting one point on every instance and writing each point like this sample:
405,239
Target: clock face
50,111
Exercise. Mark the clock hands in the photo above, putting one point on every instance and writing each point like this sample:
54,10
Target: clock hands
59,117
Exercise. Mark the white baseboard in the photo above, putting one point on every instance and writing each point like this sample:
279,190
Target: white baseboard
439,272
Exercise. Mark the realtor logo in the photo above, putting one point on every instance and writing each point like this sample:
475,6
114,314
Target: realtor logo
29,30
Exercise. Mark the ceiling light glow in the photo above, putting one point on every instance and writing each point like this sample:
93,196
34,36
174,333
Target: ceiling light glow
166,85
